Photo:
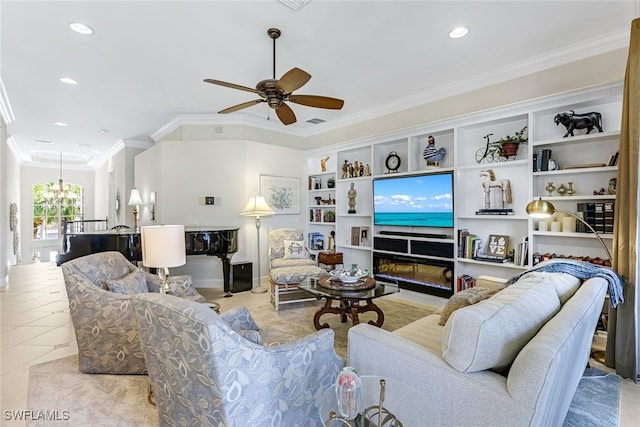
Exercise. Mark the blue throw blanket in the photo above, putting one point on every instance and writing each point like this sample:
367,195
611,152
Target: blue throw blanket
581,270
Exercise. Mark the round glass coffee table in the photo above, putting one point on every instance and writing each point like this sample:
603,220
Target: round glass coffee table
374,412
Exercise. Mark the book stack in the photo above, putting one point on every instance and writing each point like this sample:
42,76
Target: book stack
541,160
316,241
465,282
598,215
494,212
469,245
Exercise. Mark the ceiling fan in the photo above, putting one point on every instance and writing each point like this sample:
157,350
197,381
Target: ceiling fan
276,92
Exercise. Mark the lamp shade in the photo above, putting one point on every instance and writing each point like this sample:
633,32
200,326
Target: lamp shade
134,199
163,246
257,206
540,209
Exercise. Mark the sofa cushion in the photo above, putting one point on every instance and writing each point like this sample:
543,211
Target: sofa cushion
425,332
490,334
295,274
461,299
133,283
294,249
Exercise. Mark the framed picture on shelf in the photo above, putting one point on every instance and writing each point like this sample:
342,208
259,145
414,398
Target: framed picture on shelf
281,193
498,245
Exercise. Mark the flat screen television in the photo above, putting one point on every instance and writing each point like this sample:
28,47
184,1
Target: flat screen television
414,200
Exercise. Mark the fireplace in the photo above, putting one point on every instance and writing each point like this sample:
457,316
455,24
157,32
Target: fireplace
425,275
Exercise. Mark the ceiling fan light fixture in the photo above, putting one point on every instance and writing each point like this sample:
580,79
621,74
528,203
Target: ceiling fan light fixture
81,28
458,32
295,4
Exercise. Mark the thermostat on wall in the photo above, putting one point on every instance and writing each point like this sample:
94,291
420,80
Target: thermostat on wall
207,200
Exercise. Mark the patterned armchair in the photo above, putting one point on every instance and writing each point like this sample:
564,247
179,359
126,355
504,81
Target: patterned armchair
203,372
289,264
103,319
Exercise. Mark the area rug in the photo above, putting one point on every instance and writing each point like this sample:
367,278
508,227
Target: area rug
596,402
297,319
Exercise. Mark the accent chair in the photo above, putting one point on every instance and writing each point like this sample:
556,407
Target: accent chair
99,287
289,264
205,372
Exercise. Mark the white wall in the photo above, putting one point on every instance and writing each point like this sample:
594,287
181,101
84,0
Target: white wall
182,171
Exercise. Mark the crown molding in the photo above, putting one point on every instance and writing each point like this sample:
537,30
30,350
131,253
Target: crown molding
5,107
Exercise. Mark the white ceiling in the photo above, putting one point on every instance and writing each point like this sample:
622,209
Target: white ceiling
145,63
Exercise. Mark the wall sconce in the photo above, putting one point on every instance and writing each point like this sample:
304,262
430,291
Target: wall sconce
135,201
152,202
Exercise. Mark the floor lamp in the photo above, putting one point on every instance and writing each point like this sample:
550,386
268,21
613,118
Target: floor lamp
543,209
163,246
257,207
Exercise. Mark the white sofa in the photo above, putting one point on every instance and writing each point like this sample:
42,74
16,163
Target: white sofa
514,359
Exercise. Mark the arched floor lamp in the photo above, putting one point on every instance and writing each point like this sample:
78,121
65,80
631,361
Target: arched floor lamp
257,207
542,209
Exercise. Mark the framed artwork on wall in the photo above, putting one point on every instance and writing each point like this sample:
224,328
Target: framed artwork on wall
282,193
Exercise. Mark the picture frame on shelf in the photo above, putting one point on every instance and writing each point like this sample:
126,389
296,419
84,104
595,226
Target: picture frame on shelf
281,193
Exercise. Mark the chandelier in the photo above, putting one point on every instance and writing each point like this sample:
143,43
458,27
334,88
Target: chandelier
62,192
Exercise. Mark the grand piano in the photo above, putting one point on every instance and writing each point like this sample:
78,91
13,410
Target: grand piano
221,242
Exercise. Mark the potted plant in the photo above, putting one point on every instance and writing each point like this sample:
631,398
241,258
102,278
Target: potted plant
329,216
509,144
331,182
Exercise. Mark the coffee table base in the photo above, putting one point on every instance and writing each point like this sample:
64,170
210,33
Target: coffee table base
347,308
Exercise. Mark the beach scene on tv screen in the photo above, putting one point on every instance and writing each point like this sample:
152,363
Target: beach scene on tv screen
418,201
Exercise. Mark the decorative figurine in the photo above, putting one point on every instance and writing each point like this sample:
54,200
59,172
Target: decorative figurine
351,194
323,163
572,121
490,182
349,393
345,169
431,155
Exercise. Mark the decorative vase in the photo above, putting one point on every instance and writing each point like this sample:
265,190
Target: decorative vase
349,393
562,190
570,190
550,188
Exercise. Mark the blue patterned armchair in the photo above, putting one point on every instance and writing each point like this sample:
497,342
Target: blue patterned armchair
99,287
203,372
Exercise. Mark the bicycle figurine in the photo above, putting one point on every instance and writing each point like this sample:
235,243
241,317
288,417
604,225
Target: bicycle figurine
491,152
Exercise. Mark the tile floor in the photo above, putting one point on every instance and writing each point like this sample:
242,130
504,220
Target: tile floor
36,327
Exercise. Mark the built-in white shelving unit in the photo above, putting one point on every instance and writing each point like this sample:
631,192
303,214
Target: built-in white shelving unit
582,160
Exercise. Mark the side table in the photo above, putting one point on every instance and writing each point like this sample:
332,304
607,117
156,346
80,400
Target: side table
330,259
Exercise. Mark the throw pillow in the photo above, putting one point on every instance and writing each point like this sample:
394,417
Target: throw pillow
294,249
133,283
461,299
180,286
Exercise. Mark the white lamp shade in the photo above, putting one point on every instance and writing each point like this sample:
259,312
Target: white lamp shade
134,199
163,246
257,206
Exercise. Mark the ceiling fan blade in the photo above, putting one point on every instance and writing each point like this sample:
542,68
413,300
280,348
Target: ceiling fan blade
317,101
285,114
241,106
231,85
293,79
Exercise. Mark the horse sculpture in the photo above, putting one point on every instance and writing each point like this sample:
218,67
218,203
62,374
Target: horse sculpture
489,182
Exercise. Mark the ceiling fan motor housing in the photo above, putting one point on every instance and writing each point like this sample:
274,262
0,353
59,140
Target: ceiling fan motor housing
267,90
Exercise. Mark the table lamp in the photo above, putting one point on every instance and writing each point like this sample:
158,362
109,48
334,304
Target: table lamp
163,247
257,207
544,209
135,201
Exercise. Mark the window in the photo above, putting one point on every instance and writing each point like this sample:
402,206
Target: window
52,205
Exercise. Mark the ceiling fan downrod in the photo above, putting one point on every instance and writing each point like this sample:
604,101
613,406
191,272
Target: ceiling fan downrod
274,33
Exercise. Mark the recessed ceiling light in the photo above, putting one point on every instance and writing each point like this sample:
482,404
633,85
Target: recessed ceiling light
60,124
458,32
81,28
68,81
